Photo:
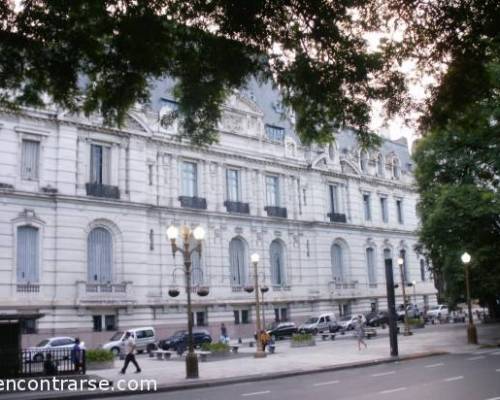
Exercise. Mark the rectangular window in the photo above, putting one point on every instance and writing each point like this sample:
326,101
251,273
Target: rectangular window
189,179
366,207
399,209
27,254
30,156
272,191
100,164
97,322
233,184
110,322
244,317
383,209
284,314
236,317
201,318
28,326
275,133
333,199
277,314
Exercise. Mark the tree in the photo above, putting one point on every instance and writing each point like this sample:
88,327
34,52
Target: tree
458,176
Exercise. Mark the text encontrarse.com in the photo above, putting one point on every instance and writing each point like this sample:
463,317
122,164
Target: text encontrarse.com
73,385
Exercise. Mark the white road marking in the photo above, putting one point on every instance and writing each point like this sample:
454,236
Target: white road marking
256,393
496,353
454,378
384,373
475,358
494,398
399,389
326,383
434,365
498,370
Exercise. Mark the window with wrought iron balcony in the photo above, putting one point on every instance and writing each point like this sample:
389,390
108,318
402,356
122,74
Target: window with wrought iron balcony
273,208
100,173
334,215
189,181
233,203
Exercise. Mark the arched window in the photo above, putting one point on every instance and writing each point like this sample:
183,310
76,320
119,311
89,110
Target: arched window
422,270
27,254
196,268
239,260
363,160
277,254
396,168
99,256
337,256
380,165
370,263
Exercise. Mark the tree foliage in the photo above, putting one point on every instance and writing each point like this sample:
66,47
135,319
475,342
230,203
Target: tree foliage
458,175
103,55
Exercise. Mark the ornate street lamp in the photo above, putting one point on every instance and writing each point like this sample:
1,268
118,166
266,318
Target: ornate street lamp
186,233
254,258
401,262
471,328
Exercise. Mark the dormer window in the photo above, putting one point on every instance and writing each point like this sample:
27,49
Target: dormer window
275,133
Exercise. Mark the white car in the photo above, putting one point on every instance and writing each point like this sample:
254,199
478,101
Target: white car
349,322
439,311
59,347
145,340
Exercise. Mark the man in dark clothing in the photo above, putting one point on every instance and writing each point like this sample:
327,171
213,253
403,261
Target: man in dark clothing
129,346
76,355
49,366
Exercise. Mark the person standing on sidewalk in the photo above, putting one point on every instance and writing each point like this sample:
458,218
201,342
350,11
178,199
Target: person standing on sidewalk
129,345
223,334
77,356
360,332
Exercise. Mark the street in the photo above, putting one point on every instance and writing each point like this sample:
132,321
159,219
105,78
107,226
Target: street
469,376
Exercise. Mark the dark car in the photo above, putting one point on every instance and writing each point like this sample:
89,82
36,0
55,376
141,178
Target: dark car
282,330
179,340
377,318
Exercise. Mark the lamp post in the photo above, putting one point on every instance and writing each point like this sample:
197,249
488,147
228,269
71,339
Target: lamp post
186,233
255,260
401,262
471,328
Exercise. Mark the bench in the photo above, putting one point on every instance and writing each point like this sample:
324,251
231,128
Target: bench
326,335
162,354
234,348
370,332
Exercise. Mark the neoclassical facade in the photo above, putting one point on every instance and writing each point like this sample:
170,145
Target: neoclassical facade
85,207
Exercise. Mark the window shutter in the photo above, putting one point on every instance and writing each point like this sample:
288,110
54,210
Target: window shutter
27,254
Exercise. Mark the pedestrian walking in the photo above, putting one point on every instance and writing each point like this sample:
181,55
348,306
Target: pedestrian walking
360,332
77,355
224,338
129,345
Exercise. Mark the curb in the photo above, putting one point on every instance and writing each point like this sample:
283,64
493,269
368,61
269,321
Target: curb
240,379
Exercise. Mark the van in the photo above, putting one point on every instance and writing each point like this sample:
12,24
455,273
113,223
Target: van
145,340
325,322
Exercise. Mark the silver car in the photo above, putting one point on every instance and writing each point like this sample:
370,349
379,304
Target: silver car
145,340
52,345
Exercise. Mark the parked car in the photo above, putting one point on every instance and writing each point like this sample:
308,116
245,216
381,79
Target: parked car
282,330
145,340
179,340
37,353
377,318
347,323
321,323
439,311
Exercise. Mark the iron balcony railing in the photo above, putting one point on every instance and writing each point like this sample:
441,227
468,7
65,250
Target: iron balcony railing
273,211
336,217
237,207
28,288
193,202
100,190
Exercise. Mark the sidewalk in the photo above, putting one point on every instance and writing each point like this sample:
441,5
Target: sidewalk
326,355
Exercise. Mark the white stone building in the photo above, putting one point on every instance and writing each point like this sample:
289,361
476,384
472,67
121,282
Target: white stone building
84,211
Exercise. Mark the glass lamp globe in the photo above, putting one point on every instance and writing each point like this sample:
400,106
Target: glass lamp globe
466,258
255,258
172,232
199,233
